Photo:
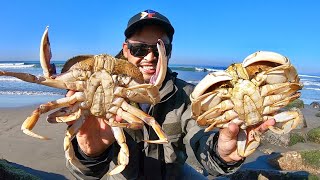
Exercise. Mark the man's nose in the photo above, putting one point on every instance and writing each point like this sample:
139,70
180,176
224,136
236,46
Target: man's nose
150,56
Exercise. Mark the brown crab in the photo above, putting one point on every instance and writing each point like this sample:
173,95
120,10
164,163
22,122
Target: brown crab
105,86
249,94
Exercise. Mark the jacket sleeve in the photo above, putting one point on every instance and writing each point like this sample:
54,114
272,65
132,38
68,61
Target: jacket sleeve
85,167
203,146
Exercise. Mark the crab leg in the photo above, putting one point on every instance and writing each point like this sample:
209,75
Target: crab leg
215,111
220,120
149,120
65,114
279,88
290,120
208,100
123,156
288,96
70,134
278,105
31,121
134,122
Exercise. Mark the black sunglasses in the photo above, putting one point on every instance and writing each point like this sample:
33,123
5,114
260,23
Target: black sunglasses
142,49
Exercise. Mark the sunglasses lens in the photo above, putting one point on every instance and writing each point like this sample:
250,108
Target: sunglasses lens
141,50
138,51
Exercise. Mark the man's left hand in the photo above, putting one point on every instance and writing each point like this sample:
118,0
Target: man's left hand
227,142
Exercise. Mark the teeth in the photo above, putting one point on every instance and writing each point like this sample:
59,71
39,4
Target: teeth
148,67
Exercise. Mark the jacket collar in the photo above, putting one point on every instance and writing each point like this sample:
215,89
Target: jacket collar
168,88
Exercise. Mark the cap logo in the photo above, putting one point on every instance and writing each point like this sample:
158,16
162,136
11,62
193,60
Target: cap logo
147,14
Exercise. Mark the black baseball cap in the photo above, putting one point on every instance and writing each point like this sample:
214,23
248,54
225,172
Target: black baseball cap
149,17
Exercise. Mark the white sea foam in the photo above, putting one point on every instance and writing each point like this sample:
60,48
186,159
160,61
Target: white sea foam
199,69
315,89
303,75
15,65
6,78
214,70
193,82
310,83
29,93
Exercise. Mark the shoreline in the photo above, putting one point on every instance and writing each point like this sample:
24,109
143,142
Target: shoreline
20,101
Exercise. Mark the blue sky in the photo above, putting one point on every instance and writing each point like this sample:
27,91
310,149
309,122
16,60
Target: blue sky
208,32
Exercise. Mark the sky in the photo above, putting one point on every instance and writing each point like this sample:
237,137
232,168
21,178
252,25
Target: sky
210,32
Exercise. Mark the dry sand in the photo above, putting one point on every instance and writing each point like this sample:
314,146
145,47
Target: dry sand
46,158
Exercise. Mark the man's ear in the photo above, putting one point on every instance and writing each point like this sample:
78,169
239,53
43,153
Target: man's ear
125,50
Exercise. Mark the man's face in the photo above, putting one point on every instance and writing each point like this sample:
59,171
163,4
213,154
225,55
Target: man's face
147,63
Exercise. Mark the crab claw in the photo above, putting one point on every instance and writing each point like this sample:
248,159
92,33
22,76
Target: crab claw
45,54
208,81
288,120
30,122
161,69
248,142
265,56
198,96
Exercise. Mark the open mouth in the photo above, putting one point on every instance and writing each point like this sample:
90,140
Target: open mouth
148,69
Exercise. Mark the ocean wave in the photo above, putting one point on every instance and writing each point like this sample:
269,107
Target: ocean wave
214,70
303,75
314,89
193,82
30,93
7,78
15,65
310,83
195,69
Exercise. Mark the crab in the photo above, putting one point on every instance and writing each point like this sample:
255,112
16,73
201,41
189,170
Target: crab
248,94
105,87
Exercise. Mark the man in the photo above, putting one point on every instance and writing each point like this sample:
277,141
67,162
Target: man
94,144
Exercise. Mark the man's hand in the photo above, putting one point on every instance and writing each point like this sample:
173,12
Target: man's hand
227,142
95,135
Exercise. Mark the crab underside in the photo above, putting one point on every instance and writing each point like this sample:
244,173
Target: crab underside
249,94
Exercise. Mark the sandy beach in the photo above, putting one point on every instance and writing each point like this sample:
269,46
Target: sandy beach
45,158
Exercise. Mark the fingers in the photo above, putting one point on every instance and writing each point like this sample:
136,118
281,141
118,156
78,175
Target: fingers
231,132
265,125
227,143
118,118
70,93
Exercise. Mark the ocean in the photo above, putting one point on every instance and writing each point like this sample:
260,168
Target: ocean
16,93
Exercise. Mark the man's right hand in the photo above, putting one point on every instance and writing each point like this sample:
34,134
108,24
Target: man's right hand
95,135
